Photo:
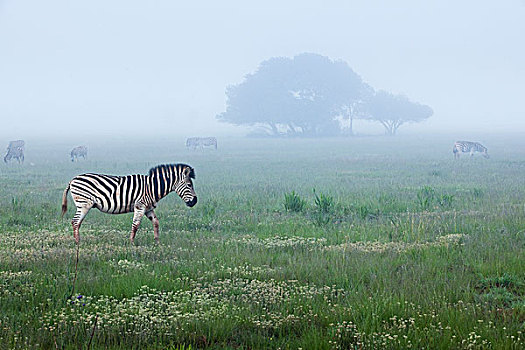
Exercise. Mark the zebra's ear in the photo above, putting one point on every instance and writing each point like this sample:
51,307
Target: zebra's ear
189,172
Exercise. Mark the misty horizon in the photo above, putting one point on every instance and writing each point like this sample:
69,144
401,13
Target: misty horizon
103,69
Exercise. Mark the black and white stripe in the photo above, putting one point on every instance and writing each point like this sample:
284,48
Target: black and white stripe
133,193
469,147
77,152
201,142
15,150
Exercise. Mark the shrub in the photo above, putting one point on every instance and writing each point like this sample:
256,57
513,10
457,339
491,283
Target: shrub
507,281
498,297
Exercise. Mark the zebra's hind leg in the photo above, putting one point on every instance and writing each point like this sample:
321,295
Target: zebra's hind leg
138,213
81,213
153,218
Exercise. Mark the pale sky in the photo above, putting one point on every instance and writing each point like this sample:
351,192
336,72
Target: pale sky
131,67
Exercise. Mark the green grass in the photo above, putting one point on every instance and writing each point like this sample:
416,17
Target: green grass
397,247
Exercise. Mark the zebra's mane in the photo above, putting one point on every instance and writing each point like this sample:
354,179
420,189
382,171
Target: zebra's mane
169,166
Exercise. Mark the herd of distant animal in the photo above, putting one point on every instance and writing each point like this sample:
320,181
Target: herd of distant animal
15,149
140,193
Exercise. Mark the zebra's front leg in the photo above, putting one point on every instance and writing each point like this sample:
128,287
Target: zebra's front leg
151,215
137,217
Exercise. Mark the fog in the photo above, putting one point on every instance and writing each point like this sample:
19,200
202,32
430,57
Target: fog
131,68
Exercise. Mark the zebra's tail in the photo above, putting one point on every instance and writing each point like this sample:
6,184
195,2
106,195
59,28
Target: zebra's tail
64,199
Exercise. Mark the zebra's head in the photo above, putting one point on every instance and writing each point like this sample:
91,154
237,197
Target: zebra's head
184,187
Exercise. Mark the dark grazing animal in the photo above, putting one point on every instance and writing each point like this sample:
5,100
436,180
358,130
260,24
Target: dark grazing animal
133,193
201,142
77,152
469,147
15,150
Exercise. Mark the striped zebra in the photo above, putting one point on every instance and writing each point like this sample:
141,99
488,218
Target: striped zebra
77,152
469,147
133,193
201,142
15,150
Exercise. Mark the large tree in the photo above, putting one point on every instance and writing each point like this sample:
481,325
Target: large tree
392,111
301,95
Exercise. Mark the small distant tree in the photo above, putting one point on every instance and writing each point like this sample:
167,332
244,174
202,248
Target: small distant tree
392,111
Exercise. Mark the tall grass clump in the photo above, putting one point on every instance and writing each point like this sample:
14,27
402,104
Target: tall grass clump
477,192
446,200
293,202
426,197
324,203
365,211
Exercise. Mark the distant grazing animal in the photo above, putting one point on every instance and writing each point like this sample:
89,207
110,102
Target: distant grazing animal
15,150
80,151
201,142
133,193
469,147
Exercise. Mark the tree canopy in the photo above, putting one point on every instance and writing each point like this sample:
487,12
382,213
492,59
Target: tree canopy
300,95
393,110
310,94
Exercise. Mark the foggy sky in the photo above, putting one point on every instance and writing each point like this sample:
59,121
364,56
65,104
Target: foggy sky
131,67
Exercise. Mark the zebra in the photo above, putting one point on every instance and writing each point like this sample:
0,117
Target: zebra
80,151
15,150
132,193
201,142
469,147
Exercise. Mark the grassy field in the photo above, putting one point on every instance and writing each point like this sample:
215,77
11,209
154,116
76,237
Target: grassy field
362,243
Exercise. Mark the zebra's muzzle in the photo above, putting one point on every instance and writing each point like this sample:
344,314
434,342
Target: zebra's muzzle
192,202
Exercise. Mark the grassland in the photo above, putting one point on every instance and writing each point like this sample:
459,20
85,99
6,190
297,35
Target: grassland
399,247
